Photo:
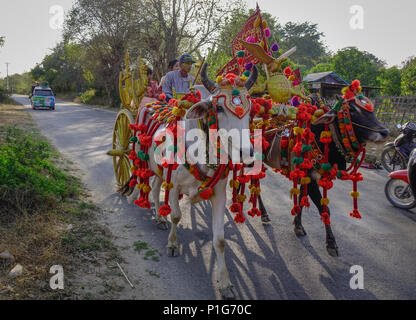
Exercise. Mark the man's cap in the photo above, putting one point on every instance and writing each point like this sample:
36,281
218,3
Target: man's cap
186,58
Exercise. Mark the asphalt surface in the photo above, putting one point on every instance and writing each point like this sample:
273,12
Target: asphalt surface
264,261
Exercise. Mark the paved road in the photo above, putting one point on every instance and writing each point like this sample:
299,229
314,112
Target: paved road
264,261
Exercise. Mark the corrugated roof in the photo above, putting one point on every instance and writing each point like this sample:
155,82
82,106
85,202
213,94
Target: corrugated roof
316,76
313,77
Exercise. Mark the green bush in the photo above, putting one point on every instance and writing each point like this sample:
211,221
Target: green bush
3,94
94,97
29,179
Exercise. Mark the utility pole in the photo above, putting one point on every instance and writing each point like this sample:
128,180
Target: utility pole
7,81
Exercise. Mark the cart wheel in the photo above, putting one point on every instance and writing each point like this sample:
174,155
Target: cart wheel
121,149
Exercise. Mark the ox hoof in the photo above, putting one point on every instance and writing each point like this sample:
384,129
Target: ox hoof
172,251
300,231
333,252
162,225
228,293
265,218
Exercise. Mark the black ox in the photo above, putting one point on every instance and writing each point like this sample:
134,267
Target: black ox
366,128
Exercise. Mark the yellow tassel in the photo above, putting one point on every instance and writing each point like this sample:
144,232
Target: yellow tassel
326,134
285,171
324,201
355,194
241,198
133,168
234,184
146,189
292,78
167,186
305,180
294,191
298,130
219,79
345,90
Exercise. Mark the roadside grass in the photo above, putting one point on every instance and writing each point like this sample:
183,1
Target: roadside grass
45,216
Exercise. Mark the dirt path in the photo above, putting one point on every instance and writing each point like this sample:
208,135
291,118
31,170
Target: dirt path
264,261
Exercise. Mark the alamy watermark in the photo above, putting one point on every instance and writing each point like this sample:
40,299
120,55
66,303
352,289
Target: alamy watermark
57,280
56,21
357,18
357,280
195,146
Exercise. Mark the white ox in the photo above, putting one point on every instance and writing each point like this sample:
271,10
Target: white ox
185,183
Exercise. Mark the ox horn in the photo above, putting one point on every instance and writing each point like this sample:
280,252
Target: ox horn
208,84
253,78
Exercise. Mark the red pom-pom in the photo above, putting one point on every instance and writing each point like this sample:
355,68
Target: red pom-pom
354,85
165,210
297,147
325,218
355,214
235,207
206,193
162,97
133,155
254,212
296,209
133,183
287,71
305,202
239,218
284,143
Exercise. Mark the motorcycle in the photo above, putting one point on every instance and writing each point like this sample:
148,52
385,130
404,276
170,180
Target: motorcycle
400,189
395,155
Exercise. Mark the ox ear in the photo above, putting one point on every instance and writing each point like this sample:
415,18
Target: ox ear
326,118
198,110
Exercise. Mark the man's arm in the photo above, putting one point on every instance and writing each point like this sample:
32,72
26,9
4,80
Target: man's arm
167,86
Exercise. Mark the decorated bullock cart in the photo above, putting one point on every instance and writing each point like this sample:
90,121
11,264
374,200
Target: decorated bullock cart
296,135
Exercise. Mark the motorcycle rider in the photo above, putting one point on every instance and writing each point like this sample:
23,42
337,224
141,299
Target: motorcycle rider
405,143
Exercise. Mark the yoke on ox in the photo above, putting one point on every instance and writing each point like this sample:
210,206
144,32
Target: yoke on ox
226,109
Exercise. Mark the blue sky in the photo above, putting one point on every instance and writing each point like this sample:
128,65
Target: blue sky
388,30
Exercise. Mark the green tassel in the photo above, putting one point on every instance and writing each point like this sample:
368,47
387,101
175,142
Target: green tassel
133,139
306,147
326,166
297,160
337,106
240,54
283,153
354,144
235,92
247,73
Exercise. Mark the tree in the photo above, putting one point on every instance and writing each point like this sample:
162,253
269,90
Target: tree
409,77
351,63
321,67
390,80
63,69
310,48
172,27
103,28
